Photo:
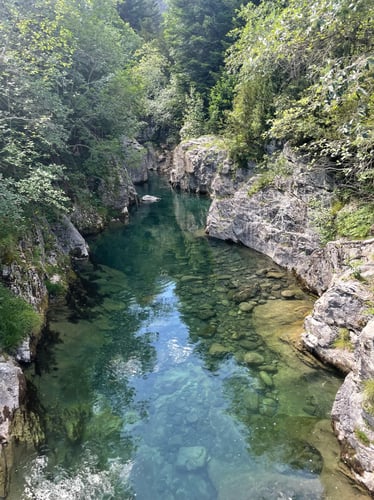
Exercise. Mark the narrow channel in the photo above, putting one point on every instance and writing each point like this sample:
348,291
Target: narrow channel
173,375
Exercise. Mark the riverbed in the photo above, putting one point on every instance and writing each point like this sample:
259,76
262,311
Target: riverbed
174,373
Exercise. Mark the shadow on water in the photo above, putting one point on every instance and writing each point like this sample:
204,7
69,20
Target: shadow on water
172,375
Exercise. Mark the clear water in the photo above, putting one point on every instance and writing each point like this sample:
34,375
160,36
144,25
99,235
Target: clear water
160,384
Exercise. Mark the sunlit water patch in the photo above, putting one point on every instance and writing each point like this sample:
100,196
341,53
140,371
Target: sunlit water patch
174,375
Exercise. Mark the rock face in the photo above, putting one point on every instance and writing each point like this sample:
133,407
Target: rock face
138,160
278,219
196,163
275,221
115,190
12,393
69,239
333,330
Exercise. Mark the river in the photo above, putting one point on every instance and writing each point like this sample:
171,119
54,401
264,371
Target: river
172,374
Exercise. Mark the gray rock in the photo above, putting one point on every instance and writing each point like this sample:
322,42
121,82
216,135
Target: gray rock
69,239
196,163
246,306
138,160
350,427
12,392
147,198
342,307
218,350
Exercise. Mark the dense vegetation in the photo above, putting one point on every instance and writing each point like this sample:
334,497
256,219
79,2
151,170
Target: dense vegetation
18,319
77,77
66,97
306,76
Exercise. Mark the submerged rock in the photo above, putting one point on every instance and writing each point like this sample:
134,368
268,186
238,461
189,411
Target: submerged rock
266,378
253,358
191,458
218,350
289,294
246,306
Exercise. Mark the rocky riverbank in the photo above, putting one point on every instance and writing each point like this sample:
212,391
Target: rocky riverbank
41,268
278,216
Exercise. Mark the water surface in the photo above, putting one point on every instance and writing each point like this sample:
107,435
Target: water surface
172,374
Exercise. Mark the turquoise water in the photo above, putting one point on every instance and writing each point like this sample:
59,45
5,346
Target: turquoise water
172,374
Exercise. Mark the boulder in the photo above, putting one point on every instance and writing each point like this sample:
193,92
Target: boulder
218,350
147,198
253,358
69,239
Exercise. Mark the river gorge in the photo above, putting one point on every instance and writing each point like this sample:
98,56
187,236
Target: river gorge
174,373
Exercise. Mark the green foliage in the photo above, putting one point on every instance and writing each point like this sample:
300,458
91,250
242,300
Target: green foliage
220,102
11,211
323,219
362,436
276,166
369,391
195,33
305,75
194,117
355,222
56,289
18,319
164,99
39,191
261,181
343,340
67,95
144,16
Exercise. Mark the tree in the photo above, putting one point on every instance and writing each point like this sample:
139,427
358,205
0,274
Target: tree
305,75
194,117
67,95
144,16
196,34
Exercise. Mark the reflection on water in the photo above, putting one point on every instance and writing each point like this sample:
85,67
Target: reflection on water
173,377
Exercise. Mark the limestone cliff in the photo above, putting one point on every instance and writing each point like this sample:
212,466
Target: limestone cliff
278,218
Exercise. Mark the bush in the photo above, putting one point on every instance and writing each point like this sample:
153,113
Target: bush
343,340
355,222
18,319
369,391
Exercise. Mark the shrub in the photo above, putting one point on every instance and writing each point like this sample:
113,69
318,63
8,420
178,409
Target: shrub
343,340
18,319
369,391
362,436
355,222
